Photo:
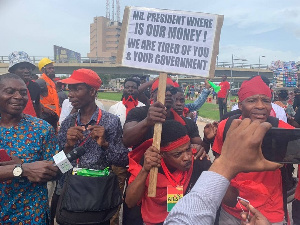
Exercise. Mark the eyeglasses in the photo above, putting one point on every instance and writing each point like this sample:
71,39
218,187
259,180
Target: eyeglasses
172,90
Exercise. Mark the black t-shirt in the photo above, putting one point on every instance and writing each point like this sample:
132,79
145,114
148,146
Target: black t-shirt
34,91
140,113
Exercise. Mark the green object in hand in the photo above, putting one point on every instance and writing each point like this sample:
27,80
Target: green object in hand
215,87
93,173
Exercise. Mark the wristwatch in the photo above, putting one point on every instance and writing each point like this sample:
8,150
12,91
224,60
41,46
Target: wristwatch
17,171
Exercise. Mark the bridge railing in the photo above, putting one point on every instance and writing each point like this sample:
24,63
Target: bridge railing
242,65
102,60
36,59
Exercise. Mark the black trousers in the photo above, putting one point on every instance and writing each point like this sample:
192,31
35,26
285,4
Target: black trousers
296,212
222,107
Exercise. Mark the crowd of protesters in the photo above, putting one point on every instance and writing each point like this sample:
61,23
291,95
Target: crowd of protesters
38,120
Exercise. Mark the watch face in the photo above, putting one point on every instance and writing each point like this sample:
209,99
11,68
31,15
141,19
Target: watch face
17,171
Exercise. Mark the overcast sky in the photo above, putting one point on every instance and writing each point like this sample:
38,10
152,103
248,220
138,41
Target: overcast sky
269,28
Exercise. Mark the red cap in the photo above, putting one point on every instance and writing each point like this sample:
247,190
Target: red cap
86,76
155,84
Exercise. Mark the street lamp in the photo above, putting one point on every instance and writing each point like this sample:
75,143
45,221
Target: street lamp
231,71
232,65
259,62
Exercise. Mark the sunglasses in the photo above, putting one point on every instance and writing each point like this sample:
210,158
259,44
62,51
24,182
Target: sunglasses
172,90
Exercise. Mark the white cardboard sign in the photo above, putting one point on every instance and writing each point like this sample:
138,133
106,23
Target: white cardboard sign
170,41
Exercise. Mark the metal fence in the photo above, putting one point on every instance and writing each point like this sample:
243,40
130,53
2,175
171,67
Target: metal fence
112,60
36,59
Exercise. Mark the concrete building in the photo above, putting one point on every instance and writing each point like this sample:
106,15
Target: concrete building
104,39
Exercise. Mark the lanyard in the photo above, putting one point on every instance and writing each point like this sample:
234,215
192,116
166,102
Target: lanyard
176,180
83,142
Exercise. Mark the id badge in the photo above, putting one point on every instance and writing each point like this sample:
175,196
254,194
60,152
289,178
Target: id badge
173,196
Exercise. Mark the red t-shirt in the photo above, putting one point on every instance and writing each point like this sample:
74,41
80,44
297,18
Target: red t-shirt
262,189
224,87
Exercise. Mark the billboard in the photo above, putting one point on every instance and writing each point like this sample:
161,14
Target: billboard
64,55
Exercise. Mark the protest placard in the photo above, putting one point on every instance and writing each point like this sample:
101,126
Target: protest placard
170,41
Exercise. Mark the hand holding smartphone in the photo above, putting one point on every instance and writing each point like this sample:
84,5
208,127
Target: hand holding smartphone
282,145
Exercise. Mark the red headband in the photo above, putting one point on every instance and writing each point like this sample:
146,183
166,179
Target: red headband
175,144
255,86
155,84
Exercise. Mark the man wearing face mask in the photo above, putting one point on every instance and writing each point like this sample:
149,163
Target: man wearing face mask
51,101
21,65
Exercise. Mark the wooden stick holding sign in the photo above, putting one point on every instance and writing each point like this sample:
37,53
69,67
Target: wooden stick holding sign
157,134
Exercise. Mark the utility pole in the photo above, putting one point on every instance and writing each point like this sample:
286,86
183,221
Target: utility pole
259,62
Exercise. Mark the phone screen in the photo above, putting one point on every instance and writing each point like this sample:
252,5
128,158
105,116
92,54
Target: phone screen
282,145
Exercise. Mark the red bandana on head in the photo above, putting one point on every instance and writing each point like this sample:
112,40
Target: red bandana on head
155,84
175,144
176,84
129,103
255,86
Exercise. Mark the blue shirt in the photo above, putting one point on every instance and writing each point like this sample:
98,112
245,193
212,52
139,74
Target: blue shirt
196,105
31,140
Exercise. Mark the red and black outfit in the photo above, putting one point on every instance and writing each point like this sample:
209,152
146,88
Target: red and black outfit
154,210
222,94
140,113
262,189
133,215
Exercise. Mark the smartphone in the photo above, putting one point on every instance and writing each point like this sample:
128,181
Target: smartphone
4,157
282,145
